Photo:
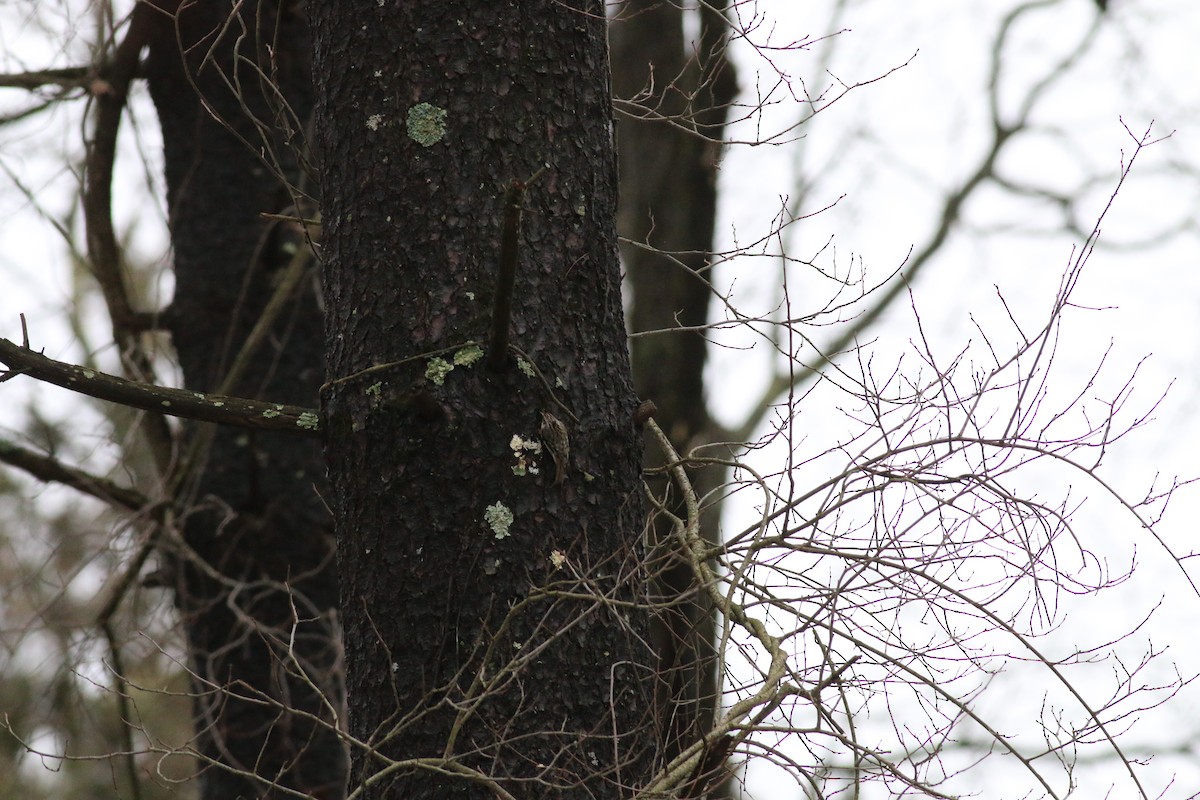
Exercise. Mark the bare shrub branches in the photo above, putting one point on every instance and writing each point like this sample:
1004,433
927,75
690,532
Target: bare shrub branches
935,556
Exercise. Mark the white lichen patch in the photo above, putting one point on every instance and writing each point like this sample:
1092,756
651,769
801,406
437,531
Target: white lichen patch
558,558
437,370
374,121
426,124
499,519
468,355
526,452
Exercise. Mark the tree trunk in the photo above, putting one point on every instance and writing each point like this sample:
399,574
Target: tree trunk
255,580
675,95
492,622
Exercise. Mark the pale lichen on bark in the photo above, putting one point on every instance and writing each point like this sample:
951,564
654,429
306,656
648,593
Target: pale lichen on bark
426,124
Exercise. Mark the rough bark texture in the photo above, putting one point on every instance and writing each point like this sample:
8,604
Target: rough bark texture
471,643
674,95
256,585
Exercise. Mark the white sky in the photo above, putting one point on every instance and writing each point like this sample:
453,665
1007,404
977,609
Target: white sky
895,147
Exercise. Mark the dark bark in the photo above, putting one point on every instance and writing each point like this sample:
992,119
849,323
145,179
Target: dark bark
675,96
255,584
473,647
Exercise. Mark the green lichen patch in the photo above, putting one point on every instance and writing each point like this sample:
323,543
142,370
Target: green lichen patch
526,367
437,370
308,421
499,518
468,355
426,124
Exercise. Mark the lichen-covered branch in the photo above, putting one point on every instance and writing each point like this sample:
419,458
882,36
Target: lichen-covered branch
236,411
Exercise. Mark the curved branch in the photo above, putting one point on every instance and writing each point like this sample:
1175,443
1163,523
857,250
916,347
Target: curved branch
1002,133
103,250
51,470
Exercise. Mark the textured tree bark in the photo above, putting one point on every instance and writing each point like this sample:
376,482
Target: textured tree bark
493,621
675,95
255,579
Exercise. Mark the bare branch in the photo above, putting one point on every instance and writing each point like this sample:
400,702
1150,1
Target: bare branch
63,78
50,469
236,411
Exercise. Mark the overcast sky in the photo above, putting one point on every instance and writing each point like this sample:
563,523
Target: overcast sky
886,154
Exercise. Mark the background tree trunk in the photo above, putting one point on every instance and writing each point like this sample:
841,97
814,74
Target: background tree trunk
675,96
500,648
255,581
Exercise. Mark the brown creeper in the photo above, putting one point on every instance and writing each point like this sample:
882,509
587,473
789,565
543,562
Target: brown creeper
557,442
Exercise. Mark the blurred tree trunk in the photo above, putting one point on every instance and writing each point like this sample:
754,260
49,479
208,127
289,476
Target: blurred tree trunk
255,580
492,617
675,95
